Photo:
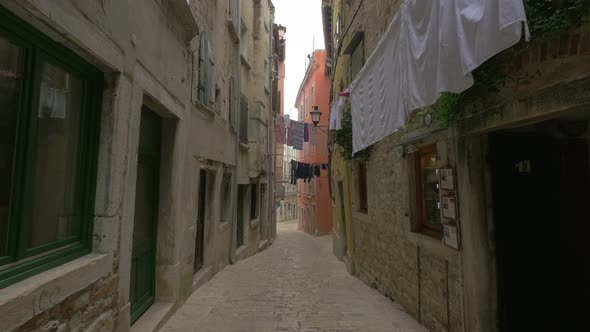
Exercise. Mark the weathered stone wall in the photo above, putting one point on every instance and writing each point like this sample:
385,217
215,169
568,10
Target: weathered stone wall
413,269
93,309
127,43
444,288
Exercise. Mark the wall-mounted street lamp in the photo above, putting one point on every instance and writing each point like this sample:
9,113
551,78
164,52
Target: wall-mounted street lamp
315,115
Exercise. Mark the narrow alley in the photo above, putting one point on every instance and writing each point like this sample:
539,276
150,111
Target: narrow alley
295,285
281,165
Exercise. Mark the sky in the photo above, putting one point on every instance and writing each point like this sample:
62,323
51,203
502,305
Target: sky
303,20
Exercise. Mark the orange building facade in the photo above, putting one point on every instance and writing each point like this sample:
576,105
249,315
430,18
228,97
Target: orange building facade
315,206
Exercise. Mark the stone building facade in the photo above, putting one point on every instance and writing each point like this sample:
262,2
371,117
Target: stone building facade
288,205
280,149
149,212
509,153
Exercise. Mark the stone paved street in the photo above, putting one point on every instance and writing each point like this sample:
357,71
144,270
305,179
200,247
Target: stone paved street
295,285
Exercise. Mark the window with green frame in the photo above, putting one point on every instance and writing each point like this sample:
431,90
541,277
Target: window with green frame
50,102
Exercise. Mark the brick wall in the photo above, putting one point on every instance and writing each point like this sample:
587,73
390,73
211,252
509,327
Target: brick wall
91,309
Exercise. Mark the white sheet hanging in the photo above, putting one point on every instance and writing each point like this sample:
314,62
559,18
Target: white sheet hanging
430,47
336,113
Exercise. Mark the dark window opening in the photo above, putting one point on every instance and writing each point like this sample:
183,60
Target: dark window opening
253,201
362,176
427,192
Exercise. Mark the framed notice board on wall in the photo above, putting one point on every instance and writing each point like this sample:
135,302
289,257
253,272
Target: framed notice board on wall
449,211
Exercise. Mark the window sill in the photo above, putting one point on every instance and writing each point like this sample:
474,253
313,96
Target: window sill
428,232
49,288
233,29
224,225
204,109
245,62
254,223
244,146
362,216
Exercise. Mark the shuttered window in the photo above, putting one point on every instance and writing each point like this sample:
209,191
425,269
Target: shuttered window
232,101
205,71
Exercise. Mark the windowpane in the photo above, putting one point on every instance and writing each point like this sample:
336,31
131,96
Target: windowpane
9,76
56,147
430,181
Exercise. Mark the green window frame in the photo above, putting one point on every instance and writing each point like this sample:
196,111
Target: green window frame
22,259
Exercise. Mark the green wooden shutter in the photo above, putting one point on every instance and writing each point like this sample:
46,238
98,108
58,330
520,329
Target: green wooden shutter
209,75
203,63
232,102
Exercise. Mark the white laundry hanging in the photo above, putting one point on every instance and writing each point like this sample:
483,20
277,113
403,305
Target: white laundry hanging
430,47
336,110
52,102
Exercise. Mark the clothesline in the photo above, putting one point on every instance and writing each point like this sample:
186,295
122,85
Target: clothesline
305,171
295,133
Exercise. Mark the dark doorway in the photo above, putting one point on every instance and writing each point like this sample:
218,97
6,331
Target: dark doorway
143,257
240,226
200,231
343,216
540,182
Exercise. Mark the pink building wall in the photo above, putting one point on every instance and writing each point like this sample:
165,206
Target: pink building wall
315,210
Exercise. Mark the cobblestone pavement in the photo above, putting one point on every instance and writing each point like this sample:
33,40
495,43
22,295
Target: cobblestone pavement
295,285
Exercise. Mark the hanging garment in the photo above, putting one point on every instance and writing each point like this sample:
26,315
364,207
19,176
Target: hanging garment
305,132
290,136
313,135
287,121
336,112
52,102
317,171
430,47
277,129
281,132
293,172
297,129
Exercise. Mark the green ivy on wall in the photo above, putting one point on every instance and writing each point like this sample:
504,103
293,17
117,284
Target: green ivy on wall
546,19
343,138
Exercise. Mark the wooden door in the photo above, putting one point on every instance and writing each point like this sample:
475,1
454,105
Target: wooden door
142,287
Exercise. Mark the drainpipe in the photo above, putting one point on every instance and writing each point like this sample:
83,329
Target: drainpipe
271,145
234,205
